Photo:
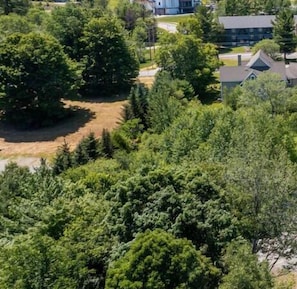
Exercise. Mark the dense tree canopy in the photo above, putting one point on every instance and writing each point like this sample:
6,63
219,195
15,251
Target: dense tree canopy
34,75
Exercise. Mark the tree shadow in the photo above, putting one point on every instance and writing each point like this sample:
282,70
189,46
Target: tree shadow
103,99
77,117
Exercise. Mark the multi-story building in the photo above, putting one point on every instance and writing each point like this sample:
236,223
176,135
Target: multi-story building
171,7
246,30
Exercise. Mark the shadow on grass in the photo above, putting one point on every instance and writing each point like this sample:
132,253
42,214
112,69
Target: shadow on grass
76,118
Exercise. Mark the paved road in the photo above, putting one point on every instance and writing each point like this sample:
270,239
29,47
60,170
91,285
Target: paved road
148,72
244,55
30,162
170,27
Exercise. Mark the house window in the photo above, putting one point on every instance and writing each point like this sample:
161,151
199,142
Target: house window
251,29
260,29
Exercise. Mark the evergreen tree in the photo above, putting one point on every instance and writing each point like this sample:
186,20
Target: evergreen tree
63,159
106,143
284,31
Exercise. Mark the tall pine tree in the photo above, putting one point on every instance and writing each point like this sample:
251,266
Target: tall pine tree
284,31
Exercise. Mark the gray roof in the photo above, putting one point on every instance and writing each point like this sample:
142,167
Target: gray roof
241,73
257,21
236,73
260,55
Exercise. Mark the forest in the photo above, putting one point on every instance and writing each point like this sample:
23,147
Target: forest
186,193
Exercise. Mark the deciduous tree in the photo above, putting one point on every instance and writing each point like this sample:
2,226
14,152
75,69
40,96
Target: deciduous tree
110,65
157,260
34,75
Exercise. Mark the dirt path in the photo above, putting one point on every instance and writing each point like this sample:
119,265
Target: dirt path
90,116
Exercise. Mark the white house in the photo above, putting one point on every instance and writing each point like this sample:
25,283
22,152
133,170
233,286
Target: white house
171,7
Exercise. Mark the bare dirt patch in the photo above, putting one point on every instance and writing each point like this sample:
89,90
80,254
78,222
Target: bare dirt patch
90,116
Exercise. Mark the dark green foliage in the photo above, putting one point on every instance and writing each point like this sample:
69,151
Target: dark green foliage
14,6
179,200
66,24
63,159
138,105
284,31
106,144
130,12
86,150
211,29
34,75
157,260
110,66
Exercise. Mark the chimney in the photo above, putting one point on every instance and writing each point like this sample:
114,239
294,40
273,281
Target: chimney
239,59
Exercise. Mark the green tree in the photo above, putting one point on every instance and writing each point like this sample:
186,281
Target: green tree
66,24
157,260
268,46
211,29
130,12
12,23
284,31
63,159
34,75
268,90
110,65
244,269
106,144
137,106
86,150
14,6
261,180
187,58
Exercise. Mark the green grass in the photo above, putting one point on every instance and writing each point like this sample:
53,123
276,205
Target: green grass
149,56
173,19
230,62
239,49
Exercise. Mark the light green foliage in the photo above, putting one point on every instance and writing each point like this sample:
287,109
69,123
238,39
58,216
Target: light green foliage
284,31
157,260
268,46
268,90
241,7
12,23
244,269
110,65
261,180
187,58
34,75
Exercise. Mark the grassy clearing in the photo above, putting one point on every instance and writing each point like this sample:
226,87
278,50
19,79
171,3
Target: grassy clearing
92,115
230,62
230,50
173,19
